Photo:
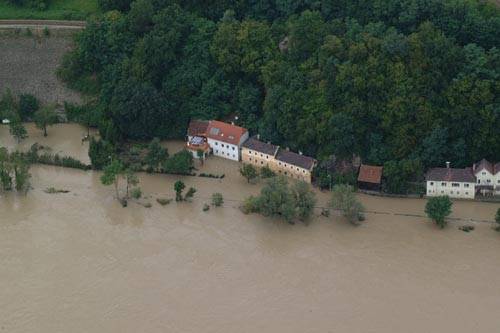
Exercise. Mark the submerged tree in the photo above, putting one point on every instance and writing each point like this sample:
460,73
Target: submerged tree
45,117
438,208
157,155
497,220
179,186
111,175
249,172
344,199
17,130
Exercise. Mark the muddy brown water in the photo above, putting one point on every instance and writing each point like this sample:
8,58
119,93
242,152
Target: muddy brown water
79,262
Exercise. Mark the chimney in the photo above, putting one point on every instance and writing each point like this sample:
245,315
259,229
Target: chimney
447,165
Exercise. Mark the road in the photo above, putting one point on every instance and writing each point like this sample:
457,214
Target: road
53,24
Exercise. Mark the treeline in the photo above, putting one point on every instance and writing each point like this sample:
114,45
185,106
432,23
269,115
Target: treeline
405,84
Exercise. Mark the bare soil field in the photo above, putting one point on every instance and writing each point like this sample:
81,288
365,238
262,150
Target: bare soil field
28,65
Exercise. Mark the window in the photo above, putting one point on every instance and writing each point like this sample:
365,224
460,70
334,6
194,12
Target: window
443,184
488,180
303,171
233,147
285,172
483,173
498,181
479,181
442,192
431,183
267,157
261,162
216,151
233,155
455,184
222,145
466,185
249,151
466,193
250,158
261,155
279,163
216,143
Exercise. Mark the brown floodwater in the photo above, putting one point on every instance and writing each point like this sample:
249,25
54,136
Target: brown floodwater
79,262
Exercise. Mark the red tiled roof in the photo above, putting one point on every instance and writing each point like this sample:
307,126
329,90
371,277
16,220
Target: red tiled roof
451,175
218,130
198,128
370,174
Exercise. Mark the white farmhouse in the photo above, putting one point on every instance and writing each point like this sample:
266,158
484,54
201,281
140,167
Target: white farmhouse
455,183
226,139
216,137
488,177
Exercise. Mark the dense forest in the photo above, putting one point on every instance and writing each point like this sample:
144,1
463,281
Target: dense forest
407,84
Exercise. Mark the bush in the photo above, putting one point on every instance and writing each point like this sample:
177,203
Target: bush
206,207
136,193
266,172
344,199
438,208
100,153
250,205
190,193
180,163
497,220
217,199
163,201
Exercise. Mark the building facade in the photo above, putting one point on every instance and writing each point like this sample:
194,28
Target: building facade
455,183
219,138
281,161
487,177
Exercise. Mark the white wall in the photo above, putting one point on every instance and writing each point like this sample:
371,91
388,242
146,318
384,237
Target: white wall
225,150
451,189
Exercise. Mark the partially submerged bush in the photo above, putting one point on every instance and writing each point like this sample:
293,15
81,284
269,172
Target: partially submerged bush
163,201
136,193
217,199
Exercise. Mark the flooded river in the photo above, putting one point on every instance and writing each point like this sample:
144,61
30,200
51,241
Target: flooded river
79,262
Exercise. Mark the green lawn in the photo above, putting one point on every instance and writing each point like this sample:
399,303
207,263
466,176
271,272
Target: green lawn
58,10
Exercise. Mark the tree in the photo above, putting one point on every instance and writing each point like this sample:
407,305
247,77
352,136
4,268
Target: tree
179,163
266,172
201,155
179,186
497,219
44,117
276,199
100,153
111,175
344,199
189,194
217,199
5,169
305,200
20,167
28,105
131,180
438,208
157,155
17,130
249,172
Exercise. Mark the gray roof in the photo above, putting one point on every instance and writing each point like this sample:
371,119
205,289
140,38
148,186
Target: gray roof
299,160
262,147
451,175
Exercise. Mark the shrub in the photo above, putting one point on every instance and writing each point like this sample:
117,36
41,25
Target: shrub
163,201
190,193
497,220
248,171
344,199
250,205
266,172
206,207
179,163
438,208
217,199
136,193
100,153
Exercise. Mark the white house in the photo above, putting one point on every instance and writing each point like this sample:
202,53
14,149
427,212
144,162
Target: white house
226,139
223,139
455,183
488,177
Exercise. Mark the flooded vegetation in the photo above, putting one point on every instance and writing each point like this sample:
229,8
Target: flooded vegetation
79,262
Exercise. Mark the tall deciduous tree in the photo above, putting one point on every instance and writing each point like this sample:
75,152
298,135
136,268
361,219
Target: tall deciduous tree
45,117
438,208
